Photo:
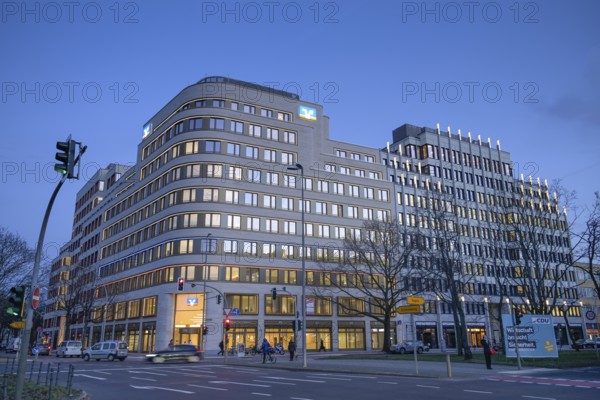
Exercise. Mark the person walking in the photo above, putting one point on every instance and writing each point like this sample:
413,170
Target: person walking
171,344
292,349
322,347
266,347
221,346
487,352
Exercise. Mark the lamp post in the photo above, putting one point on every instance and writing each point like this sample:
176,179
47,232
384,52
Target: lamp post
298,167
204,272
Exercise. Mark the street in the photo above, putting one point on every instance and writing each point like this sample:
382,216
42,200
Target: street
135,379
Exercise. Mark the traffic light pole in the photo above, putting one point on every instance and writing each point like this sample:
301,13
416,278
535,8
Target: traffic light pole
34,281
514,318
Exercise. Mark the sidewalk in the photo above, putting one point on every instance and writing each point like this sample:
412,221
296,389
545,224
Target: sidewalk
335,362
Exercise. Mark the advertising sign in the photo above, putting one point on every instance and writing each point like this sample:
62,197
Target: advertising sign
534,336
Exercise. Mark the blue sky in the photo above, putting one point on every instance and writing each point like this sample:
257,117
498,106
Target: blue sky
523,72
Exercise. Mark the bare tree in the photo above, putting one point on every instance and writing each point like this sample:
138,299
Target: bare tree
440,227
372,273
15,256
539,253
587,246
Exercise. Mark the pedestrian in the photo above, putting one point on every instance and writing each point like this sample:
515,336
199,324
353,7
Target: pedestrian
221,346
487,352
322,347
171,344
292,349
266,347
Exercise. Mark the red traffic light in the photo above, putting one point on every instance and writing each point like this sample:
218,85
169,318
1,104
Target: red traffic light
227,324
180,283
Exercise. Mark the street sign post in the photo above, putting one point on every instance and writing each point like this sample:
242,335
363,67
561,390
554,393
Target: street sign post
226,311
414,300
408,310
35,298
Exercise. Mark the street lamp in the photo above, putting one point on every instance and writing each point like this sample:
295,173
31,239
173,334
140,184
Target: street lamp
298,167
204,272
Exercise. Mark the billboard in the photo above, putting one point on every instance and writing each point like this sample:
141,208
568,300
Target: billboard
534,337
308,113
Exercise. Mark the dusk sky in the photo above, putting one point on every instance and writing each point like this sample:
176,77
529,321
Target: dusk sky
526,73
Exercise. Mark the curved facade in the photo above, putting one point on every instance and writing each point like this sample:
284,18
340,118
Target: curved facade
211,199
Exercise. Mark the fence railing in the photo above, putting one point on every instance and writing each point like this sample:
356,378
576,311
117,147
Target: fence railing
43,378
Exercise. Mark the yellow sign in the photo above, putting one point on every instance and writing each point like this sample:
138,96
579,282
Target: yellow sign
408,309
18,324
415,300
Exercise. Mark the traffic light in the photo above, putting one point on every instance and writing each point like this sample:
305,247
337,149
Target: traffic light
65,157
205,331
518,315
294,325
274,293
16,299
227,324
218,299
299,325
180,283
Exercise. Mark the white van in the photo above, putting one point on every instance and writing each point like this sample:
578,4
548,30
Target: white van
69,348
14,344
106,350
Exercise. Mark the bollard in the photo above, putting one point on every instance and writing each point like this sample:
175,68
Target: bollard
12,366
39,375
448,365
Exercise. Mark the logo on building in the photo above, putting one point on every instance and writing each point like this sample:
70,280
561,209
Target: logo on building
307,113
147,130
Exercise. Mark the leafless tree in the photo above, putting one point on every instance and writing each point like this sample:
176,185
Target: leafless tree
587,246
372,273
15,257
441,224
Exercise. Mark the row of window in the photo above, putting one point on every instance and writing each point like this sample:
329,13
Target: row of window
249,174
265,155
220,124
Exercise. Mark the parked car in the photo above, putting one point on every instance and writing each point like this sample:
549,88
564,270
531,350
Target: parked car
43,349
409,347
106,350
586,343
179,352
69,348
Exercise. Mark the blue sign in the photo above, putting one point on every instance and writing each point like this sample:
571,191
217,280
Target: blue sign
35,350
534,336
307,113
147,130
235,311
192,301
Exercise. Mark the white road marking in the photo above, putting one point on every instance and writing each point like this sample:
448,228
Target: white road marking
102,372
429,387
91,377
161,388
539,398
146,372
143,379
274,383
300,398
387,383
293,379
239,383
261,394
207,387
563,384
330,377
476,391
347,376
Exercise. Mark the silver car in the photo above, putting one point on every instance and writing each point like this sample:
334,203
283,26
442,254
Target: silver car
409,347
106,350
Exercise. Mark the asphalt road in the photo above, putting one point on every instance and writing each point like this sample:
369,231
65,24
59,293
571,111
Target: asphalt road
248,378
